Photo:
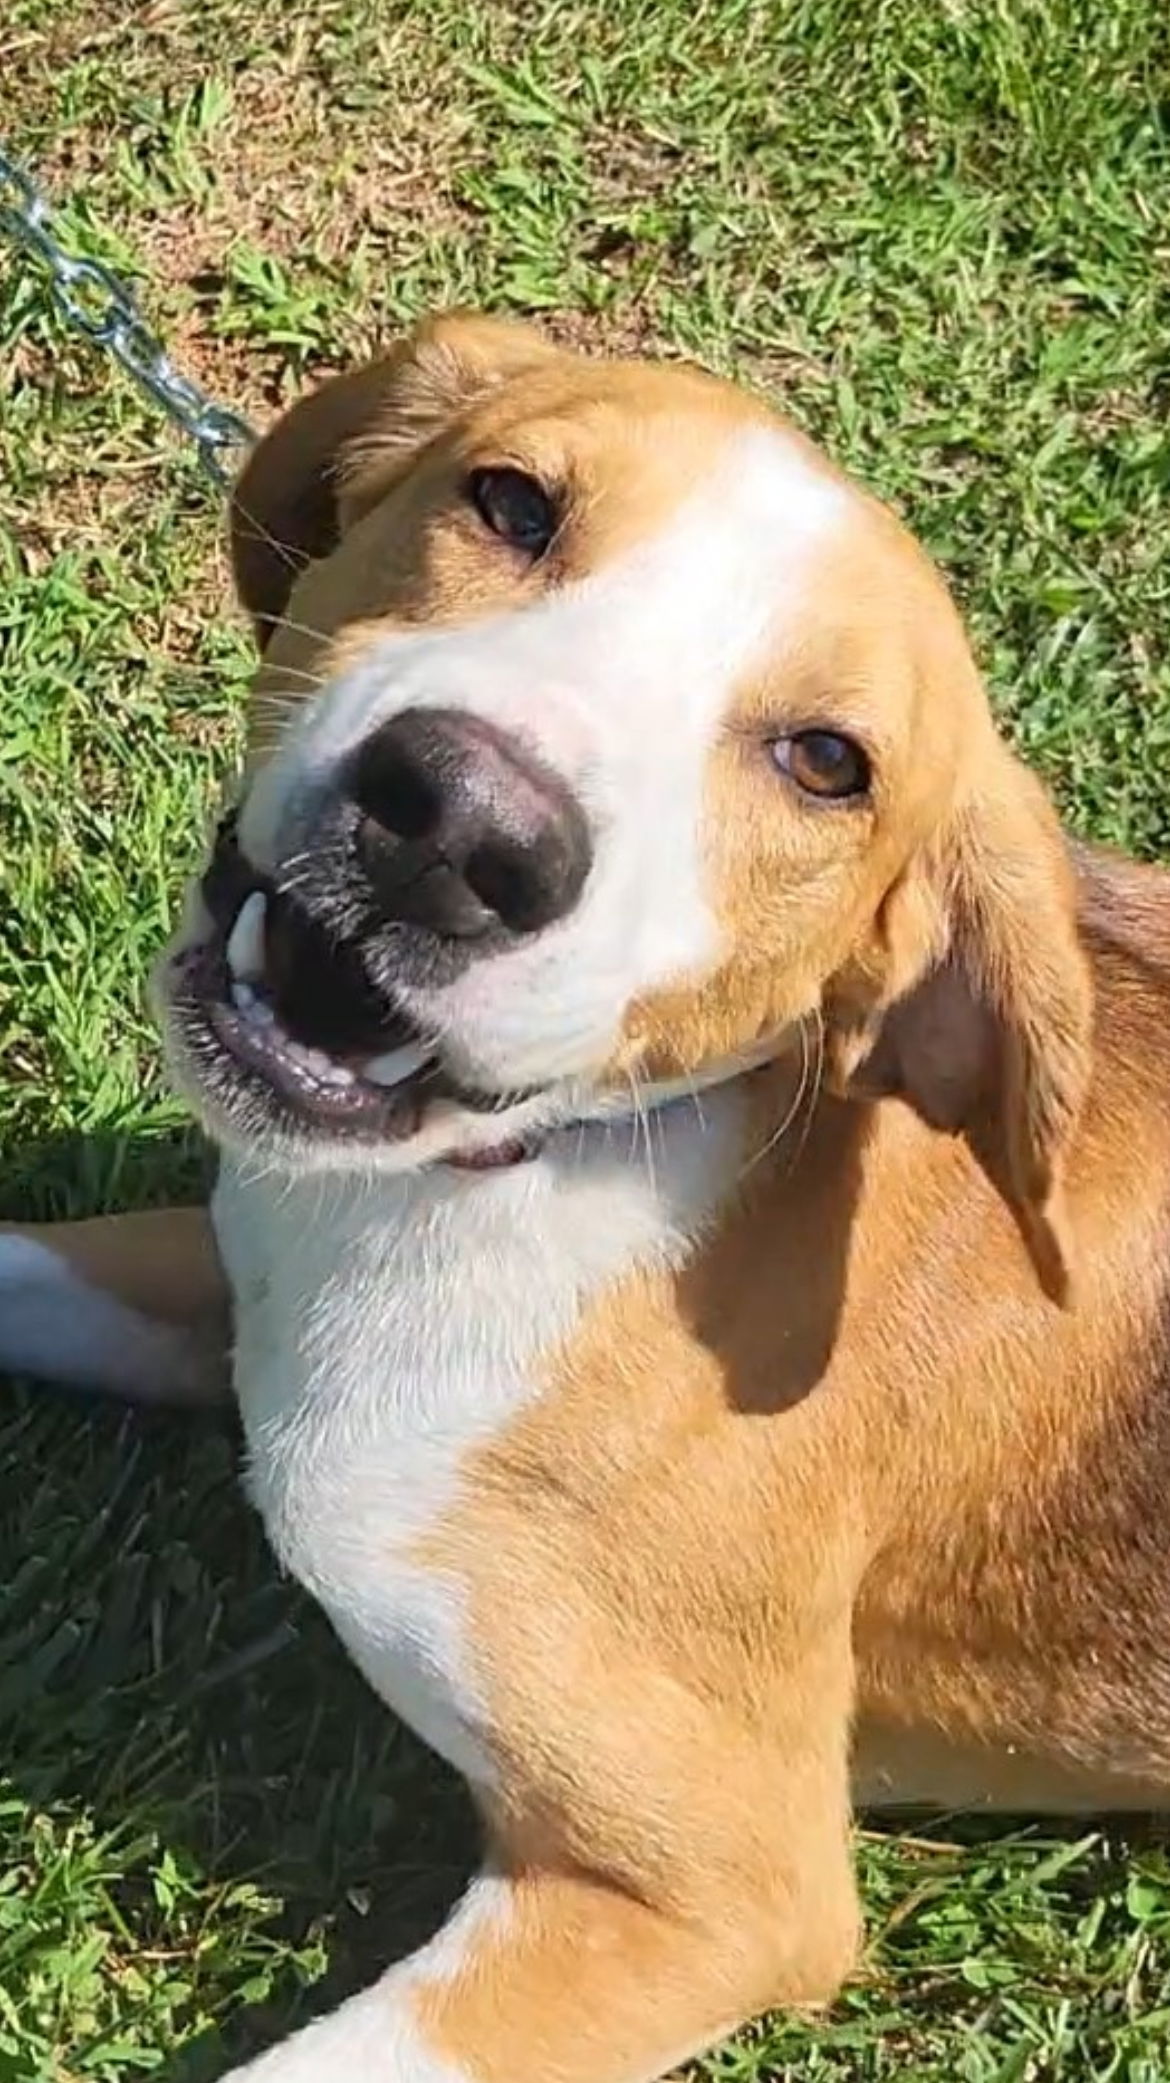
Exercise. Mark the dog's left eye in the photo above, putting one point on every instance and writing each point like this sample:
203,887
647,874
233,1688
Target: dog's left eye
515,507
823,763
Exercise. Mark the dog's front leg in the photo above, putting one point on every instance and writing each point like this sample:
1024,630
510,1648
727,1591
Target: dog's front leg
553,1978
135,1304
736,1896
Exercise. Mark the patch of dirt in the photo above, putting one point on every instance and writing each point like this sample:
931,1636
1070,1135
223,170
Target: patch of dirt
210,137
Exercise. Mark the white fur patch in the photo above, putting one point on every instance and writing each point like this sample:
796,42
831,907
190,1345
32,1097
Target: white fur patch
54,1325
621,682
374,2038
388,1325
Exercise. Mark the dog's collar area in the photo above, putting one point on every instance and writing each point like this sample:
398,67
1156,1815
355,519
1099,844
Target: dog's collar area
650,1099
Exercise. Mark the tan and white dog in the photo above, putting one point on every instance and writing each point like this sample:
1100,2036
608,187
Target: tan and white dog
686,1439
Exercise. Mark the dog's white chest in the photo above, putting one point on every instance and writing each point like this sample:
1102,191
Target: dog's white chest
385,1328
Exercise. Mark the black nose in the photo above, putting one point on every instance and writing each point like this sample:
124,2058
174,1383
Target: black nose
462,830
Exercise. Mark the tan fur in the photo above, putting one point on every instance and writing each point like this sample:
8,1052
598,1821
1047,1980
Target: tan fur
160,1261
887,1463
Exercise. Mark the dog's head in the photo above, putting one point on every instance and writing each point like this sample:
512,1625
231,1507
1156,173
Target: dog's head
604,734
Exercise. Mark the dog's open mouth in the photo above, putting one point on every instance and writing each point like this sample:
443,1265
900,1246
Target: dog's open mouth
280,1016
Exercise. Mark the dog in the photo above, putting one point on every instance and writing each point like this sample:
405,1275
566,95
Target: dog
694,1192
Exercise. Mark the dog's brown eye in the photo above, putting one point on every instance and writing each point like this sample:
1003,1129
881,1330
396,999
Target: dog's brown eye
823,763
515,507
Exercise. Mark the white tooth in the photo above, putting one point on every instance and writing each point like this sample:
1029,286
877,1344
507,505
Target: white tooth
323,1067
243,997
337,1074
396,1064
245,948
334,1073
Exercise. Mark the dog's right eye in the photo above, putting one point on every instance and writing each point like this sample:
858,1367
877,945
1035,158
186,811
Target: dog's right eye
515,507
823,763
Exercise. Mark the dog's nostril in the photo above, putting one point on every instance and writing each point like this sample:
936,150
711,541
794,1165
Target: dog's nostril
462,830
502,882
397,794
510,885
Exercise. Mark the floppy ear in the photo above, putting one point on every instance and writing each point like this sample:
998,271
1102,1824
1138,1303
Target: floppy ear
992,1038
301,487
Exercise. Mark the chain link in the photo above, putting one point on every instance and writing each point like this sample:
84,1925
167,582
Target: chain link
98,303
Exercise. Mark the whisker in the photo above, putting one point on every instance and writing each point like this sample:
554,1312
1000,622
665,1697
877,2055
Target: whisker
318,636
807,1088
694,1092
293,560
641,1120
296,672
817,1081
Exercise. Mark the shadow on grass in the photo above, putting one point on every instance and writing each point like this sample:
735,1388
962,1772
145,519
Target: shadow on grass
158,1676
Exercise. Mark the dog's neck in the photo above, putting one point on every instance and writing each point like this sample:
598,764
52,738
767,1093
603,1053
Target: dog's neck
600,1198
415,1303
387,1327
673,1142
643,1099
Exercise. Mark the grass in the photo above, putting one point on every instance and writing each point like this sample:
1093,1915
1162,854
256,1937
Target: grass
939,232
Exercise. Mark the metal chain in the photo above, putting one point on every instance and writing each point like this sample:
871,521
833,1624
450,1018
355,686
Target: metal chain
95,300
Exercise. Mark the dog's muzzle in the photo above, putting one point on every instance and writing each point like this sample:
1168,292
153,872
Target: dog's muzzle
442,842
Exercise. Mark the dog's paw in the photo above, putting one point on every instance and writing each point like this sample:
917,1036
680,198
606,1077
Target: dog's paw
372,2039
58,1327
